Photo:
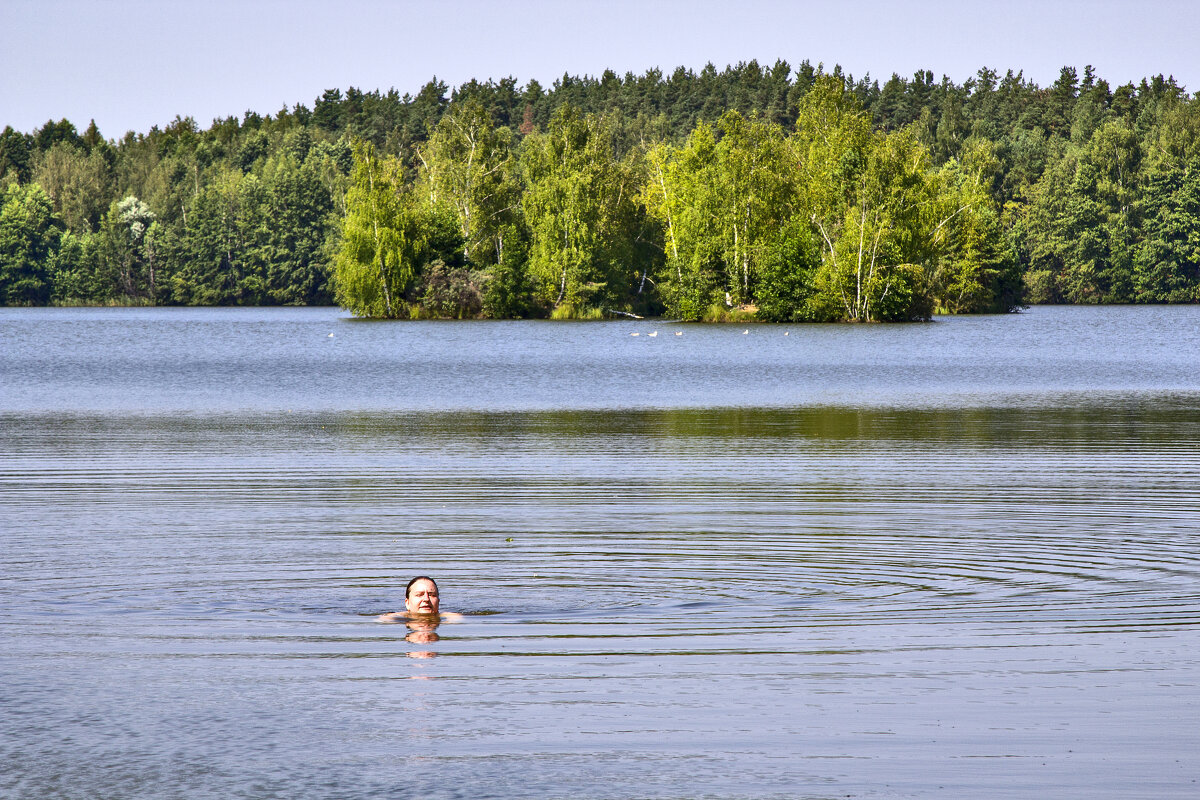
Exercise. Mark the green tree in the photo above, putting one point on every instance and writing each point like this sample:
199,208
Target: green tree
1041,233
468,164
579,206
128,249
509,292
16,157
383,238
757,181
76,274
973,269
54,132
875,264
788,273
868,197
29,236
220,254
295,255
726,200
1167,263
1082,220
77,182
682,192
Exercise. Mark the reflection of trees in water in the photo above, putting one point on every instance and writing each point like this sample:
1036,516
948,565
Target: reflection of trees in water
1129,420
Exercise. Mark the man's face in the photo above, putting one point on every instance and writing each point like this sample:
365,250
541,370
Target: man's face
422,598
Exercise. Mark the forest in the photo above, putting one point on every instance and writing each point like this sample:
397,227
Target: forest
757,192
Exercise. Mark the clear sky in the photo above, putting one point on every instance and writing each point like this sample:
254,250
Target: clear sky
132,64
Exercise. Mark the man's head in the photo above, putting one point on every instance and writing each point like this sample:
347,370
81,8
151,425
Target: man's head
421,596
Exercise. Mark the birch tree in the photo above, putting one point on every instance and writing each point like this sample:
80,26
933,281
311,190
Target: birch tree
579,206
867,196
756,181
681,192
725,198
383,238
468,165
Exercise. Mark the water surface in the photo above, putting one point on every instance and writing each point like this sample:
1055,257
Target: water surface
947,560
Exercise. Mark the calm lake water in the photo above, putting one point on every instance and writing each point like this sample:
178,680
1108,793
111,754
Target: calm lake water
954,560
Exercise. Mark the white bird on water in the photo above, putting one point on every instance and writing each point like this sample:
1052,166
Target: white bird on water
330,336
679,333
654,333
635,333
745,332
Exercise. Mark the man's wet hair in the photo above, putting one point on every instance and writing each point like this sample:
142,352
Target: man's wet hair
408,589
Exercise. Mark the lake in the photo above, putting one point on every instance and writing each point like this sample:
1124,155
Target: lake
947,560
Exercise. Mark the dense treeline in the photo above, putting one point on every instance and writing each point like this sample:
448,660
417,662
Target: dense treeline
755,191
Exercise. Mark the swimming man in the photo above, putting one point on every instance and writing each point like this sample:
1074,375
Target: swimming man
421,601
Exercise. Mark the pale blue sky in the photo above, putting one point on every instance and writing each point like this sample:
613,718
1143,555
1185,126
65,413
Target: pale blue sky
131,64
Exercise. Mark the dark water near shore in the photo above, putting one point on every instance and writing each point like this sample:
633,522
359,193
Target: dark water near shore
948,560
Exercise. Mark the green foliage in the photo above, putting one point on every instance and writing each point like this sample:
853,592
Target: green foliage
681,194
871,195
450,292
30,232
383,239
973,270
16,156
725,198
1082,219
508,293
76,276
468,165
785,289
223,249
579,207
762,190
294,251
77,182
128,245
1167,261
755,178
